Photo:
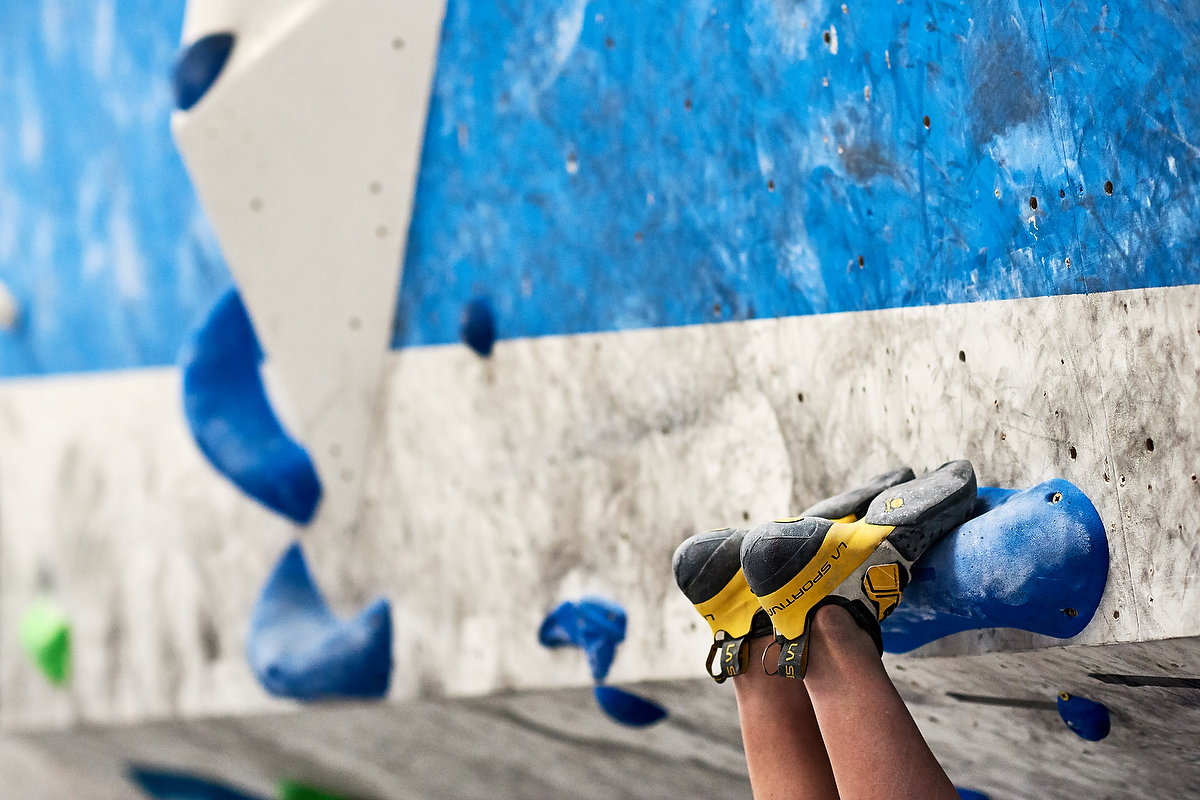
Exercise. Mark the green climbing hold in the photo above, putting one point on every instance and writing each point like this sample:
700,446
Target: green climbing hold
46,637
294,790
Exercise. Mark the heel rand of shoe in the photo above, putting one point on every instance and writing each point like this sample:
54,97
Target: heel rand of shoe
732,610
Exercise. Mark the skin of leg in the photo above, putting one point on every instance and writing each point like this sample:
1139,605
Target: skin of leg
784,751
874,746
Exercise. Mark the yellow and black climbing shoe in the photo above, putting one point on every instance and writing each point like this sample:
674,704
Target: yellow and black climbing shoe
708,570
795,566
851,505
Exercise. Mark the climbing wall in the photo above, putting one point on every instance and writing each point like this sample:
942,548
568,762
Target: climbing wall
738,256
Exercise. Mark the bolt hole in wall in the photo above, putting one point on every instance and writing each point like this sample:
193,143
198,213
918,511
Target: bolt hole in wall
1033,203
926,121
962,356
1150,445
1108,188
1072,452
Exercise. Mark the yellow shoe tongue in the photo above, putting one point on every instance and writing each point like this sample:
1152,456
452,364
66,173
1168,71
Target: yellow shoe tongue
846,546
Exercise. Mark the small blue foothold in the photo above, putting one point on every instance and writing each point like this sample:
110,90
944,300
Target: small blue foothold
594,624
297,648
1036,560
970,794
628,708
178,786
478,326
1089,719
199,66
231,419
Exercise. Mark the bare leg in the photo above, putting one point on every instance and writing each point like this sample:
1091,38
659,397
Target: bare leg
874,746
784,750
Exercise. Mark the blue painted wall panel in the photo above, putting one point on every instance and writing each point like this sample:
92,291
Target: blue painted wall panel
604,166
101,237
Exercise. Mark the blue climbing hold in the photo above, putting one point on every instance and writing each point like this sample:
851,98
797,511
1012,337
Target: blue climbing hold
1036,560
297,648
594,624
178,786
970,794
231,419
199,66
1089,719
627,708
478,326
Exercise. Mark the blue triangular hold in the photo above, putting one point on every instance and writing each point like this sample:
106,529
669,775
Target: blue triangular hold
1087,718
627,708
231,419
199,66
179,786
298,649
594,624
1036,560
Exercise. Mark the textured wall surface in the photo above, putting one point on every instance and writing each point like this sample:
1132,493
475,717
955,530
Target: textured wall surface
487,503
601,166
593,166
102,241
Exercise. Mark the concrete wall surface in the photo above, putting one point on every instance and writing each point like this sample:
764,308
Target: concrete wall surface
487,503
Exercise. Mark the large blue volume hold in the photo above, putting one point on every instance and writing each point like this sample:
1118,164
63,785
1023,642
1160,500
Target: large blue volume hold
177,786
299,649
199,66
1036,560
231,419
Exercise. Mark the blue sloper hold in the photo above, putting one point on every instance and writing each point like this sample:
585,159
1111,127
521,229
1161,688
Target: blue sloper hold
199,66
177,786
231,419
478,326
970,794
298,649
1089,719
594,624
1036,560
627,708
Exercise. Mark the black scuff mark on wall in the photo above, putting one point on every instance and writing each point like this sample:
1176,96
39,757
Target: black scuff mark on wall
1003,92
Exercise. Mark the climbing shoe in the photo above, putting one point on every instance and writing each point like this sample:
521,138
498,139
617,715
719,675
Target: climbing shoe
795,566
852,505
708,570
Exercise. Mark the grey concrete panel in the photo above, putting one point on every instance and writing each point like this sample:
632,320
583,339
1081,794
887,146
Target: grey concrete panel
571,465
